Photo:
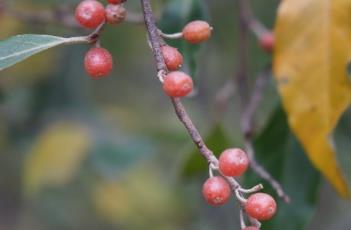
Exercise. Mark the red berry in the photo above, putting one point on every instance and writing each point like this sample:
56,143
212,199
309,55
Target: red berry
177,84
267,41
261,206
98,62
197,31
115,14
116,1
251,228
233,162
216,191
90,13
173,58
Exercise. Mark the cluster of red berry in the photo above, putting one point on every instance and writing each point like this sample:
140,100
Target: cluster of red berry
177,83
216,190
90,14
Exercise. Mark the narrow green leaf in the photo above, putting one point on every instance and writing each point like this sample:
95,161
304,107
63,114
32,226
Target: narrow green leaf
20,47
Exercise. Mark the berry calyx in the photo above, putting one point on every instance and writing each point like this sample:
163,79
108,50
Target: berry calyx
177,84
116,1
233,162
251,228
90,13
216,191
173,58
98,63
197,31
267,41
261,206
115,14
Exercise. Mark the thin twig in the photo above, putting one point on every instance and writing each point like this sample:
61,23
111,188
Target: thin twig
247,117
249,105
248,18
261,172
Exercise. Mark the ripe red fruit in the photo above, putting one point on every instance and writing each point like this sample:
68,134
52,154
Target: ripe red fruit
115,14
267,41
177,84
233,162
197,31
116,1
98,62
216,191
261,206
251,228
90,13
173,58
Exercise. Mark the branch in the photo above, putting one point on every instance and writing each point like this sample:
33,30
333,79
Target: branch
249,105
155,43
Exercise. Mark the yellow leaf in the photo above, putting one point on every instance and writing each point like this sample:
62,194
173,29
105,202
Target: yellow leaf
311,56
56,156
138,199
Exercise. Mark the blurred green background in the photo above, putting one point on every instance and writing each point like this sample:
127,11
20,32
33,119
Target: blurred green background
110,154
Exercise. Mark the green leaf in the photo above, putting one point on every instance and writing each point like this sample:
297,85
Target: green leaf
217,141
20,47
280,153
176,15
111,157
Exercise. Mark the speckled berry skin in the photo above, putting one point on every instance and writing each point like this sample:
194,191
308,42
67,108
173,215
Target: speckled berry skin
90,14
115,14
233,162
173,58
177,84
261,206
98,63
216,191
116,1
267,41
197,31
251,228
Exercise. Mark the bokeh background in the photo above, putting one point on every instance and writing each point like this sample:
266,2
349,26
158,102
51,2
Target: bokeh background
110,154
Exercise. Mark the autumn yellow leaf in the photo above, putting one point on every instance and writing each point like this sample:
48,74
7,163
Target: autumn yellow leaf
55,156
138,199
311,56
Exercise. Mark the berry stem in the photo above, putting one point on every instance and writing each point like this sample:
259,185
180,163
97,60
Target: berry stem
242,220
252,190
91,38
170,36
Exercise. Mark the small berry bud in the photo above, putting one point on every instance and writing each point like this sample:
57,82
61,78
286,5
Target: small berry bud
233,162
177,84
98,62
173,58
267,41
261,206
197,31
90,13
115,14
216,191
